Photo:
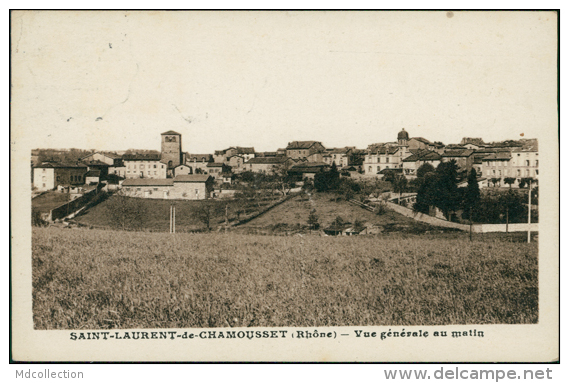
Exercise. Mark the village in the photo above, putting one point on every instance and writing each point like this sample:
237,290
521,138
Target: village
66,184
175,174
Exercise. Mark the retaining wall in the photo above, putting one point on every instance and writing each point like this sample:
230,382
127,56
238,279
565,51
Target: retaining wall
479,228
72,206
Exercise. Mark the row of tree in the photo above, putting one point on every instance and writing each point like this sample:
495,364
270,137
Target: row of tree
438,189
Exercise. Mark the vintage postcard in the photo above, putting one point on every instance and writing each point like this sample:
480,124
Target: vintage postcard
285,186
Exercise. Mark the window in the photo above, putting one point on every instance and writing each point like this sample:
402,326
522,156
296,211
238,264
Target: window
519,173
154,166
43,185
527,162
70,178
536,172
378,168
155,189
137,189
536,162
369,169
162,166
155,172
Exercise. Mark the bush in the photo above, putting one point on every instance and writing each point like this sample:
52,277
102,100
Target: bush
37,219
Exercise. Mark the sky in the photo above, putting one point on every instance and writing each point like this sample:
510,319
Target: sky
116,80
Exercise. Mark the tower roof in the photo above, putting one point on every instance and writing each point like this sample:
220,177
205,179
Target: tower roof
170,132
403,135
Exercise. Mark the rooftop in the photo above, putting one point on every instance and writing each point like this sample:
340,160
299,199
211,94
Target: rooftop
148,182
301,144
267,160
141,157
192,178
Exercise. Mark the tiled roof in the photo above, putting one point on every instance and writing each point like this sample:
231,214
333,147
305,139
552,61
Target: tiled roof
148,182
390,150
141,157
60,165
96,163
301,144
241,150
192,178
423,155
339,150
267,160
93,173
310,165
170,132
458,153
498,156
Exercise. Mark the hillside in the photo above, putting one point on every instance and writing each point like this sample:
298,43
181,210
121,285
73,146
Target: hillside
292,215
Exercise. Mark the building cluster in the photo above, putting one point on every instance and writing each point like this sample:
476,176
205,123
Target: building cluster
176,174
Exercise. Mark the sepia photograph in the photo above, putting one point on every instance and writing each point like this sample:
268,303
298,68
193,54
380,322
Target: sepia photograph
299,181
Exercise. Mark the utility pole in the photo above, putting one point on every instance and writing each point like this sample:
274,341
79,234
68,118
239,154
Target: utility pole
529,212
170,219
174,220
226,218
470,223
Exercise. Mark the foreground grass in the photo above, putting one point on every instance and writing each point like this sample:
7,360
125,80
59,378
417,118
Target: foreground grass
91,279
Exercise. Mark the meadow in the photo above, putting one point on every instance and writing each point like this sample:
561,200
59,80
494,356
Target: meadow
102,279
155,215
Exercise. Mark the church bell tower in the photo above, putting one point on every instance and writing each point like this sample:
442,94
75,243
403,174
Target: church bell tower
171,149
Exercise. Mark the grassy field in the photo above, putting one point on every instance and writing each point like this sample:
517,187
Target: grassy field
101,279
157,214
292,216
49,200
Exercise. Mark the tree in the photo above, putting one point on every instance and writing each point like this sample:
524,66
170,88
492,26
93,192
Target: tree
358,225
512,207
326,181
313,220
389,176
426,193
509,181
495,181
333,177
206,212
399,184
471,195
446,197
424,169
